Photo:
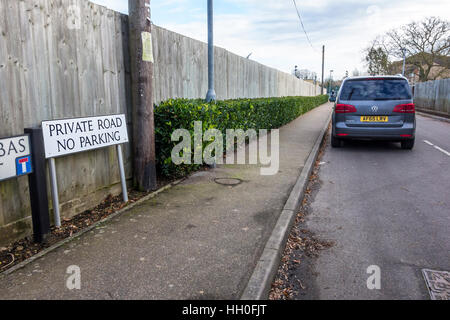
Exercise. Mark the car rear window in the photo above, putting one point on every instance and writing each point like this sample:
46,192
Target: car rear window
378,89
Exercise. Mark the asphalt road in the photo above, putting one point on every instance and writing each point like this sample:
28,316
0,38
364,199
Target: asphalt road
382,206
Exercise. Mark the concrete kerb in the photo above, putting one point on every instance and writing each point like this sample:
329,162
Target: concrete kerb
93,226
266,268
424,113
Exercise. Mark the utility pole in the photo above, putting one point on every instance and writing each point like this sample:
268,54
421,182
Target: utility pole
323,68
141,54
211,95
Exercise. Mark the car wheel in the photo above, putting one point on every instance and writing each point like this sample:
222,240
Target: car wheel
408,144
335,142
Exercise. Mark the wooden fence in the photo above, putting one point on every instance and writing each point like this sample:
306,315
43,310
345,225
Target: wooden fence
69,58
433,96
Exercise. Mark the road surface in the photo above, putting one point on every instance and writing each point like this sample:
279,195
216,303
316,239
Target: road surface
382,206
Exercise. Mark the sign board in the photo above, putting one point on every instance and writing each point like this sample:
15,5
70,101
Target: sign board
147,47
15,158
69,136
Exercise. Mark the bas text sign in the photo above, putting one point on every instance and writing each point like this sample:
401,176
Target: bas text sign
15,159
68,136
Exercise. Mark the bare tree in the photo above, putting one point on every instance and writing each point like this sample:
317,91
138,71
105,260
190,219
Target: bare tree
377,57
426,42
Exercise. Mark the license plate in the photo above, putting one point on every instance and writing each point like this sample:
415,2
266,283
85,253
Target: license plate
374,119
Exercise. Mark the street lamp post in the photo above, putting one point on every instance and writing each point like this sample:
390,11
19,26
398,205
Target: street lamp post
404,61
296,73
211,95
329,86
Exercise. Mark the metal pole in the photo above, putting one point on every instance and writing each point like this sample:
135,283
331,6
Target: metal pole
404,61
315,85
122,173
323,68
330,83
211,95
54,187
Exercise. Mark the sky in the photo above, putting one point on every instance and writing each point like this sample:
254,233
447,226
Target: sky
271,29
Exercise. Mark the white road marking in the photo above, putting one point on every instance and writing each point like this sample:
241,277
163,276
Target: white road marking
442,150
437,148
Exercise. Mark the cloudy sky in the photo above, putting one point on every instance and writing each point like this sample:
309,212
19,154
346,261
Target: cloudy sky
271,30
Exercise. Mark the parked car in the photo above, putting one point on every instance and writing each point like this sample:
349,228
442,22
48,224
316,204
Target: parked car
332,97
379,108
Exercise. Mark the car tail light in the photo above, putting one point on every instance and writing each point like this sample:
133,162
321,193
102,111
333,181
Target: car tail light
406,135
344,108
342,134
405,108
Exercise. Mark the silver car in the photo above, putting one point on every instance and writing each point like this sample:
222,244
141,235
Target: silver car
379,108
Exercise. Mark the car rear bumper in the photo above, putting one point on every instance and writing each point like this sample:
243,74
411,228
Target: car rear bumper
407,131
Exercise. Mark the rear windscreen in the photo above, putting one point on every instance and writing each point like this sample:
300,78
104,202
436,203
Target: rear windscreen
383,89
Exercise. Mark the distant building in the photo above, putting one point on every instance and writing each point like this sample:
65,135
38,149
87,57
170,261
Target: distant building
440,69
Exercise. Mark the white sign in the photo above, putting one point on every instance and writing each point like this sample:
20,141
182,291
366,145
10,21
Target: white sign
147,47
15,159
68,136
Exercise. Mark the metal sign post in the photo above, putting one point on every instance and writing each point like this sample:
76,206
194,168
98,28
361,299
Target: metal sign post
54,188
70,136
37,182
122,173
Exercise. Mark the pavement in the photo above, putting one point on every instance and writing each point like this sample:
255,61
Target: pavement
196,240
382,206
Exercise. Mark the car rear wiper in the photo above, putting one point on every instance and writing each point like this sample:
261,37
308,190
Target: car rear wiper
351,94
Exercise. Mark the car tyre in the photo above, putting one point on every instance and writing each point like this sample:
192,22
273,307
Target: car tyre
335,142
407,144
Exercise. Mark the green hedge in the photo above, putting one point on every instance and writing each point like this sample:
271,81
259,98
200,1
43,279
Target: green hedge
262,113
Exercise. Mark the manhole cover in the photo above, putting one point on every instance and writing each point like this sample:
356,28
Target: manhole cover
438,283
228,181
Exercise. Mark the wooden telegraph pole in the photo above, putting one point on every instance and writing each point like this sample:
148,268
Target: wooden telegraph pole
141,54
